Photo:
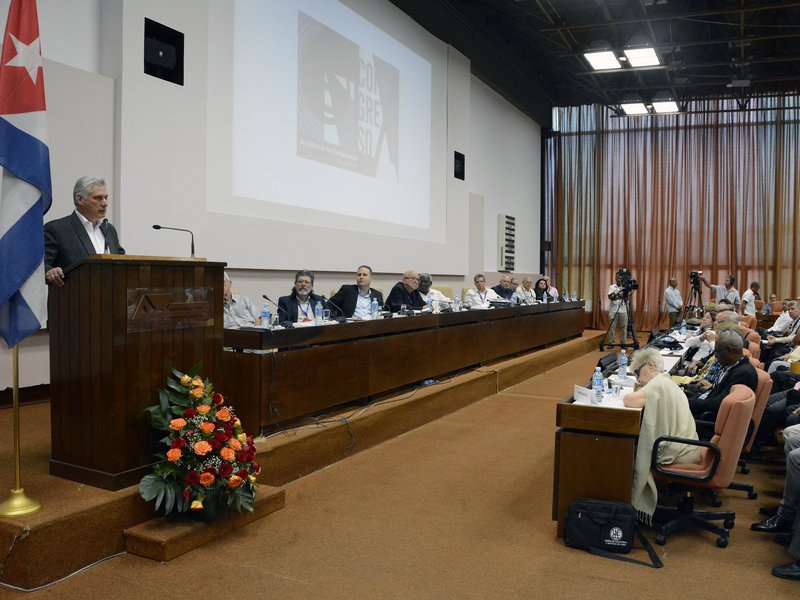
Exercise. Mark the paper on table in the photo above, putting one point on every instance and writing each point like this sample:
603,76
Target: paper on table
583,396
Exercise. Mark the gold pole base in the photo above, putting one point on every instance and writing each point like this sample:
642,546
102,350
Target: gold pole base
18,504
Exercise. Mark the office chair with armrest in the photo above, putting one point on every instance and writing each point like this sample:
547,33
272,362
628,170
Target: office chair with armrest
748,321
714,470
776,307
447,290
753,340
763,389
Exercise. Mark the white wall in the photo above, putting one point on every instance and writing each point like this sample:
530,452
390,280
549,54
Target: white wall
154,146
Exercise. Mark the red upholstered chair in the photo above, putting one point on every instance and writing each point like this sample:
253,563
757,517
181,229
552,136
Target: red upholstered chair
776,307
713,471
748,321
753,339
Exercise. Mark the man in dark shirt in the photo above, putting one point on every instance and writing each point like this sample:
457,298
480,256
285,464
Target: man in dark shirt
504,288
736,368
405,293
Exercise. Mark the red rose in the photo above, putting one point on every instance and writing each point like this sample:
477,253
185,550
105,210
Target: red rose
218,399
241,456
187,493
222,436
225,470
255,466
211,470
178,443
192,478
189,413
242,473
215,443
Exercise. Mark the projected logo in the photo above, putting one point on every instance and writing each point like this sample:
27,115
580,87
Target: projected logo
348,103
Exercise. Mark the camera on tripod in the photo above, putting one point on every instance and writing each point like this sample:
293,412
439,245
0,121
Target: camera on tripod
626,281
694,278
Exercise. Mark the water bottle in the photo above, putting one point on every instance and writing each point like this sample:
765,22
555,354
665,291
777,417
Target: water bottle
456,303
683,327
574,296
566,295
265,316
622,371
429,302
374,309
318,313
598,386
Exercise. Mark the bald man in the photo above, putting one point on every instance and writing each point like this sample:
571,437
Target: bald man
405,293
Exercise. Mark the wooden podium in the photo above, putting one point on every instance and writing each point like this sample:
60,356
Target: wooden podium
117,328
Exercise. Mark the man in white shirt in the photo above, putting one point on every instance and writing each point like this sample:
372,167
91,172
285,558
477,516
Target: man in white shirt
551,289
524,293
749,299
673,303
617,313
782,323
480,296
437,298
725,293
237,310
84,232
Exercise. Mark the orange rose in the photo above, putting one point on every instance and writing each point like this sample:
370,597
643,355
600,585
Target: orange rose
224,415
234,482
207,428
197,392
202,448
206,479
177,424
227,454
197,382
235,444
196,505
174,454
203,409
186,381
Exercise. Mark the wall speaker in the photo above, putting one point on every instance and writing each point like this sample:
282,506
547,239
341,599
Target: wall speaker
163,52
458,165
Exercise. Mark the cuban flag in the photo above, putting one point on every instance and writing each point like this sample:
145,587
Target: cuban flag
25,187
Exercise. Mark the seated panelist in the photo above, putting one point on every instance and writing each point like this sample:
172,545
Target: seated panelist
298,307
438,299
355,300
524,294
405,292
504,288
542,291
237,310
480,296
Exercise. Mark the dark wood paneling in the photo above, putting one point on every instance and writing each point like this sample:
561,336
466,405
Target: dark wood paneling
103,377
308,370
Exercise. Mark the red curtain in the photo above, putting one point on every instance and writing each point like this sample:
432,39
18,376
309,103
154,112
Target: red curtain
714,190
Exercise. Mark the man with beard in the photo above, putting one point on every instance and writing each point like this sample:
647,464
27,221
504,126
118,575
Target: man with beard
298,307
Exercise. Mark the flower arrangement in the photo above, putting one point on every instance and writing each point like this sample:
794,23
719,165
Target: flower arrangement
210,461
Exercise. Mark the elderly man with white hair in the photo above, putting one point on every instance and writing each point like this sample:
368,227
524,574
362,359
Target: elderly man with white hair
237,310
666,412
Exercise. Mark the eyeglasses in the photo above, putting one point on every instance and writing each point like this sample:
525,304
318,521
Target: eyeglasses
637,371
303,282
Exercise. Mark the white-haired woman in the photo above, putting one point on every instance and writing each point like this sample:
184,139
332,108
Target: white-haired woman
666,412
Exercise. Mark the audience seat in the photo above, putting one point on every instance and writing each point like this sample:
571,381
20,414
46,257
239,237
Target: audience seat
763,389
776,307
748,321
713,471
753,340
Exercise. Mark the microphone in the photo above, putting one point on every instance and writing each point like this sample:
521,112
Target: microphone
288,322
179,229
326,301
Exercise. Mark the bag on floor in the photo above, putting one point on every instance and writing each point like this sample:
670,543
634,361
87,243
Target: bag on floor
606,528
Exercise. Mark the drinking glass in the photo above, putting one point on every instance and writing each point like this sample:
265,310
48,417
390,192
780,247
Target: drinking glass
326,314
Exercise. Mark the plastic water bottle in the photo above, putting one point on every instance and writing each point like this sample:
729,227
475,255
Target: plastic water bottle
373,309
622,371
456,303
265,316
429,302
566,295
598,386
318,313
574,296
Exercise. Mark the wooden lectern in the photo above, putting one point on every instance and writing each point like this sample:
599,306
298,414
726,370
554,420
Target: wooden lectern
117,328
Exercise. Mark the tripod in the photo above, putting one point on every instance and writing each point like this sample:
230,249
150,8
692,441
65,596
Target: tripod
694,302
630,329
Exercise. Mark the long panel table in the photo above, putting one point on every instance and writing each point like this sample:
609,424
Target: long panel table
276,377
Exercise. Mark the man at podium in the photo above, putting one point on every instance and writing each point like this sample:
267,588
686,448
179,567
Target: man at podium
83,233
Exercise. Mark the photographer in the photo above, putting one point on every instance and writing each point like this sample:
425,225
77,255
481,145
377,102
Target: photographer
673,303
618,309
725,293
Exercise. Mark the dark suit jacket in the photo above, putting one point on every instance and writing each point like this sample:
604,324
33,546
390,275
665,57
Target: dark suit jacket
287,307
66,242
503,292
399,296
346,298
742,372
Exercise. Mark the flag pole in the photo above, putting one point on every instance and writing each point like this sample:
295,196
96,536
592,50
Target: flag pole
18,504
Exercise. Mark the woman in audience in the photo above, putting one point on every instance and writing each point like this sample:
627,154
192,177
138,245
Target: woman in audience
540,289
666,412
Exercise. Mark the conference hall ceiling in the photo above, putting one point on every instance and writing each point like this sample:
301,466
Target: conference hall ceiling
532,51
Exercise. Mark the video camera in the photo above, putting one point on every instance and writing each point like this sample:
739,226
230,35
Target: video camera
626,281
694,278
